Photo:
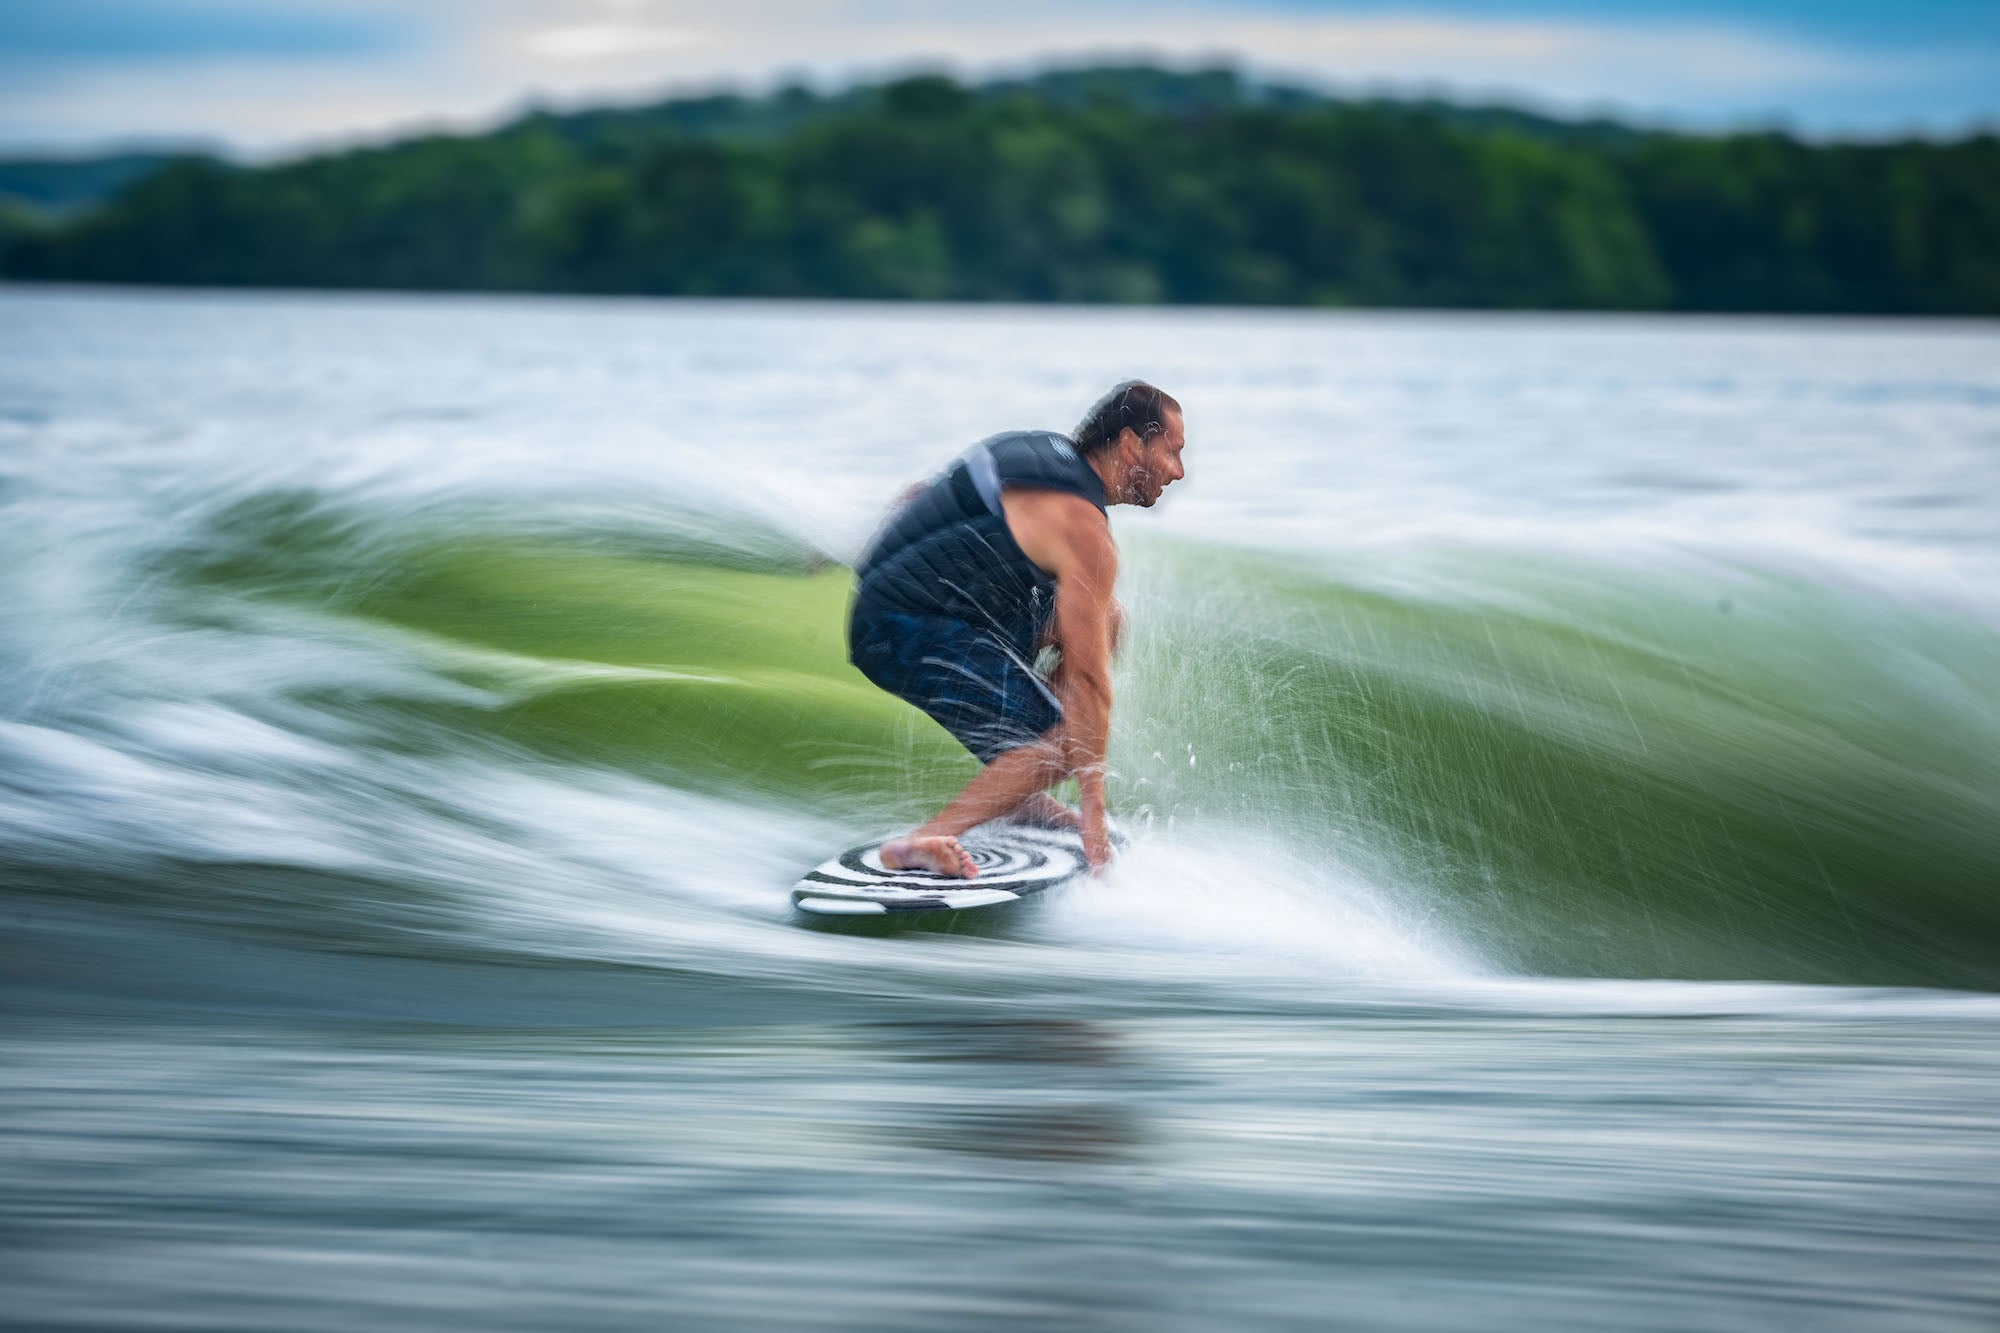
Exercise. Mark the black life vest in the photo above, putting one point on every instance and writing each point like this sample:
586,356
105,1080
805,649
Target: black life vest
948,551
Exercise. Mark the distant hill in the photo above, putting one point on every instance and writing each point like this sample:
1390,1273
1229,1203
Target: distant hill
1164,92
55,185
1119,184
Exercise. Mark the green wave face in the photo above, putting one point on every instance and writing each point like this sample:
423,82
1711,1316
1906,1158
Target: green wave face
1716,774
733,677
1712,772
675,660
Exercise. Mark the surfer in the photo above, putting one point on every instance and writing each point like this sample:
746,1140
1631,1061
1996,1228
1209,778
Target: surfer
1005,553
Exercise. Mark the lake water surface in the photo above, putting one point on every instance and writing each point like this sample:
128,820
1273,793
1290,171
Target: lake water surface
1562,754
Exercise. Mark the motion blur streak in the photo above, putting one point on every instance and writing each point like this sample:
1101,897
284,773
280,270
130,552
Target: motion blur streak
1563,758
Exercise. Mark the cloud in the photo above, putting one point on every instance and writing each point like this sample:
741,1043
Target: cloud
484,60
591,42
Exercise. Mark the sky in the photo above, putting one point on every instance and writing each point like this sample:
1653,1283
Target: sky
265,78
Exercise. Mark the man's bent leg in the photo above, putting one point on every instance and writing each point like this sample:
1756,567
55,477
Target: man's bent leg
1001,787
1043,810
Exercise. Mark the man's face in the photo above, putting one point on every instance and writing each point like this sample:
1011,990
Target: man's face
1156,463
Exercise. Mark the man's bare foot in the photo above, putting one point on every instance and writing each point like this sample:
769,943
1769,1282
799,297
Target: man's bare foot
940,854
1045,811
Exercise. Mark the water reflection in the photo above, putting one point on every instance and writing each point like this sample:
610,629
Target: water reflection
1052,1090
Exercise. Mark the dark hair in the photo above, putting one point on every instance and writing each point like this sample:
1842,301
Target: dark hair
1134,404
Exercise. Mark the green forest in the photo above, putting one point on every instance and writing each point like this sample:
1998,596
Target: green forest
1105,185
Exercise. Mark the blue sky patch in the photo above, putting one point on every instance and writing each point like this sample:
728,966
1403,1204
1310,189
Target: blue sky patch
98,31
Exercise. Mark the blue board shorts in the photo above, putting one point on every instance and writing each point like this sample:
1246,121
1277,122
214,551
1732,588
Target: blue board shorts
977,685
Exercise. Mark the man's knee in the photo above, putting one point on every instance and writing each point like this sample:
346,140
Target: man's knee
1044,753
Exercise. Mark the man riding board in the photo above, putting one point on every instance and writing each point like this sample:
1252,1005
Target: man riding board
1006,552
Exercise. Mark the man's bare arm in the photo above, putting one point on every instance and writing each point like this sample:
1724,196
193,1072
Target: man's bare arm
1067,536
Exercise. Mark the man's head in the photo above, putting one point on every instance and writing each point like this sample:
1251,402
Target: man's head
1133,437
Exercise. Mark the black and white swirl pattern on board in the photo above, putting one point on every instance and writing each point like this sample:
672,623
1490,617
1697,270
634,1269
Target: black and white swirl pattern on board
1014,862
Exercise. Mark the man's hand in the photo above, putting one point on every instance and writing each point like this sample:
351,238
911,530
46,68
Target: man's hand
1097,849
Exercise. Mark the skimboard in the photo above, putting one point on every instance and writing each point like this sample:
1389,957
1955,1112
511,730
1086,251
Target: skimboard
1015,861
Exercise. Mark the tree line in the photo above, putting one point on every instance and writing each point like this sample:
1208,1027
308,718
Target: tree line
1116,185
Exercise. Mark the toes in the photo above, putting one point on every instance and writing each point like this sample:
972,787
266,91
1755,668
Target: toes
944,856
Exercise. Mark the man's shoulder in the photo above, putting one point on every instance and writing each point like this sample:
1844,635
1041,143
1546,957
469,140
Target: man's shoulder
1043,459
1046,500
1058,527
